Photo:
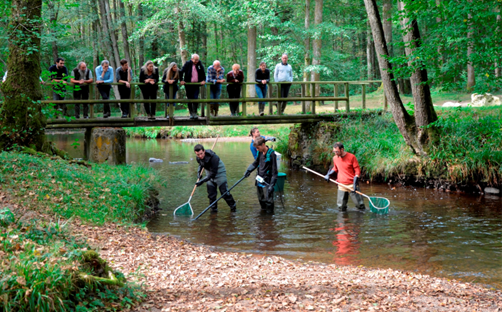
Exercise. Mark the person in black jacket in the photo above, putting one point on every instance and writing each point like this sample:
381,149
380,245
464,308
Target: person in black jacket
150,77
262,78
171,77
124,76
82,77
216,176
193,72
266,162
59,77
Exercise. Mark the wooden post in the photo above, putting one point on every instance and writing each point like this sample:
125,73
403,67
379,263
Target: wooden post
364,96
208,96
91,95
132,107
202,105
385,103
335,94
313,102
171,105
269,95
303,95
347,102
279,106
244,111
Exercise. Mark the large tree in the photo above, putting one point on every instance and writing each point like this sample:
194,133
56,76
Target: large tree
21,119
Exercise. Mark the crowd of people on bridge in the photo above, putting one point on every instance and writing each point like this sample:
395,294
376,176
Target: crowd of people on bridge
192,75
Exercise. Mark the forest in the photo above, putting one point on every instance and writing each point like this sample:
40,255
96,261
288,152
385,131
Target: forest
325,39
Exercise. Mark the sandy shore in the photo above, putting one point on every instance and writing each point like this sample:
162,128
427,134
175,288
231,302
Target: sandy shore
181,276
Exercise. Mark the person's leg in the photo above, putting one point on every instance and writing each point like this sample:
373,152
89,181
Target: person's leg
341,201
358,200
211,194
77,95
146,96
228,197
269,200
125,93
261,197
212,96
284,94
104,91
85,96
260,95
190,95
153,106
217,96
195,106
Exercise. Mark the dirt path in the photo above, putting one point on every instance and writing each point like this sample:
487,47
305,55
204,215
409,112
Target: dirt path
181,276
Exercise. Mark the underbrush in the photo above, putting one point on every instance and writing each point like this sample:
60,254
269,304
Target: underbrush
184,132
102,193
44,268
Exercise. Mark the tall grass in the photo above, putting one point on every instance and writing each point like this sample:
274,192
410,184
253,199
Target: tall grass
97,195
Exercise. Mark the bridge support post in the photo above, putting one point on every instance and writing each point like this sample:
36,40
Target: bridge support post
335,94
304,109
364,96
105,144
93,96
269,95
347,102
244,110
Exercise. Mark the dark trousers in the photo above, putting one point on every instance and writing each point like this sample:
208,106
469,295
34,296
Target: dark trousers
212,194
125,94
266,202
284,94
59,96
234,92
150,108
104,90
81,95
192,93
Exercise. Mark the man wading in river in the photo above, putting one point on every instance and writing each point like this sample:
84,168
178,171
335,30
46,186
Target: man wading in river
266,162
216,176
347,168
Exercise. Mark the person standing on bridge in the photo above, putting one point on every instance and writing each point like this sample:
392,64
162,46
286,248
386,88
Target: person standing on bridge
193,72
171,77
216,177
82,77
149,75
59,77
283,73
104,74
124,76
262,78
255,134
235,78
215,75
348,171
266,162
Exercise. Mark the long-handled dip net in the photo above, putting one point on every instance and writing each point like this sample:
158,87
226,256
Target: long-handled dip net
378,205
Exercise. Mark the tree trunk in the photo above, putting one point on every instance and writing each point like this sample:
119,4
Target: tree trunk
125,37
203,52
404,121
387,24
370,54
471,80
105,34
251,92
424,109
115,47
316,60
53,21
21,118
497,65
306,74
141,41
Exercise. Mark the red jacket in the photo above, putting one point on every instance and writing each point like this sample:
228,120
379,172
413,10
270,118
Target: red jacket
347,168
231,78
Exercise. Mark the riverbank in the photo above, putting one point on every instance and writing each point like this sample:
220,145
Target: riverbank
468,157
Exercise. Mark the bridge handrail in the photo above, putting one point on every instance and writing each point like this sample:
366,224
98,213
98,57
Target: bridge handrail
223,83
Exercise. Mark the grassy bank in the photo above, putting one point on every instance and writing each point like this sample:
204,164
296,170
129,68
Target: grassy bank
470,149
45,267
184,132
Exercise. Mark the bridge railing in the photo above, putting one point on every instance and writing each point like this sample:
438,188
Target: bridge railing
340,94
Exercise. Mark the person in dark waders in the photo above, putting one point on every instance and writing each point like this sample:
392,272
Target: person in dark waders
266,162
348,171
216,177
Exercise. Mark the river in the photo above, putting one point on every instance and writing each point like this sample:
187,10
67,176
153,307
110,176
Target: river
442,234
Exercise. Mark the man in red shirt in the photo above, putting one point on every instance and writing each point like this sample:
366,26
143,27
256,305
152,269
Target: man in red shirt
347,168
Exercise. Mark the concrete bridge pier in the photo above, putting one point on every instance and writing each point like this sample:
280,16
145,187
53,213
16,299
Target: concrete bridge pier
105,145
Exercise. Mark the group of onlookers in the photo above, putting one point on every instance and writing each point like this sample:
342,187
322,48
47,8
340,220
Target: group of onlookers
192,75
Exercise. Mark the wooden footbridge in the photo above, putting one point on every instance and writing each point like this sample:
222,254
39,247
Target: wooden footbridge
308,112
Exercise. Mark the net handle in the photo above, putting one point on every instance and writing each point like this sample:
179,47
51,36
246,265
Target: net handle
344,187
198,178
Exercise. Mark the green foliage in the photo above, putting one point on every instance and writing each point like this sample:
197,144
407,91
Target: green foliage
98,195
41,268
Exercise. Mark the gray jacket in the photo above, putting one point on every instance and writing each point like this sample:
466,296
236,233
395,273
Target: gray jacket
283,73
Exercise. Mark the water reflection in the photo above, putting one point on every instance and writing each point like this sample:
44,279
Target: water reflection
451,235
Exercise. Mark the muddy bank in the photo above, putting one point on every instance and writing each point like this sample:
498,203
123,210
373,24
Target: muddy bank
384,157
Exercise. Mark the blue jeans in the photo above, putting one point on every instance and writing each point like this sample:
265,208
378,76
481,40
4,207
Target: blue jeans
261,93
174,97
214,93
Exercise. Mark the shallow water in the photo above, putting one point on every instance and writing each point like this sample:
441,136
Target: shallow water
441,234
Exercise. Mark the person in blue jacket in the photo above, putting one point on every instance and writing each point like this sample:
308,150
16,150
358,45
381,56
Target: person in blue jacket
254,134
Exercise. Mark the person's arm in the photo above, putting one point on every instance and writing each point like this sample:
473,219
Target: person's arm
290,78
72,79
276,73
357,169
210,76
109,80
99,70
273,159
252,167
202,74
141,77
91,78
220,75
241,76
164,77
156,76
256,76
253,150
267,75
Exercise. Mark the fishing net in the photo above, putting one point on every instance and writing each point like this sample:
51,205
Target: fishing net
379,205
184,210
